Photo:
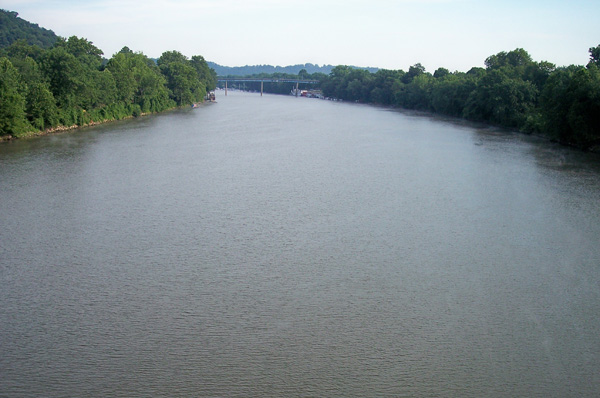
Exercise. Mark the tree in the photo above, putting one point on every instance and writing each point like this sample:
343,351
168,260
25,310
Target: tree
169,57
515,58
441,72
303,74
538,73
182,78
122,67
20,49
83,49
595,56
335,84
584,113
413,71
205,74
41,107
139,82
501,100
570,105
65,75
383,83
417,93
450,93
12,111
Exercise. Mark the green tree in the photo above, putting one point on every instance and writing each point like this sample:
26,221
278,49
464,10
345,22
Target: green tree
65,74
555,103
441,72
570,105
383,84
205,74
139,82
169,57
20,49
417,93
83,49
123,67
41,107
449,94
595,56
182,78
12,109
514,59
538,73
334,85
303,74
413,71
584,113
501,100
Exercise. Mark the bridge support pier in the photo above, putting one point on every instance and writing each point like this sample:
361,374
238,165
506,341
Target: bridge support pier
262,81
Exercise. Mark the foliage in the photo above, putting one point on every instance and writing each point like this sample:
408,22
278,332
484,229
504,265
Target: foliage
12,111
501,100
140,82
205,74
13,28
595,56
570,105
183,80
512,91
69,83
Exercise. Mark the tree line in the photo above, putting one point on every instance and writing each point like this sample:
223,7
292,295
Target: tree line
512,91
48,82
70,83
252,70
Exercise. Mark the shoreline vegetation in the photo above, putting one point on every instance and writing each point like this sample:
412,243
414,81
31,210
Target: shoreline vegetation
62,129
50,84
58,84
513,91
70,85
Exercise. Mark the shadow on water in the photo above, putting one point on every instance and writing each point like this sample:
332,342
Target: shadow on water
546,153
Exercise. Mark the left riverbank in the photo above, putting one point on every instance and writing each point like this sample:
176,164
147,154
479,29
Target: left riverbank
64,129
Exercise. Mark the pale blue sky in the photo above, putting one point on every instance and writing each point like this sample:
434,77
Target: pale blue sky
456,34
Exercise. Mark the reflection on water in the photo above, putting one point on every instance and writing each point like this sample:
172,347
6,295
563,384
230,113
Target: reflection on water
280,246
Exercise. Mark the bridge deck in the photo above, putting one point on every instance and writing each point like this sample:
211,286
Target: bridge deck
265,80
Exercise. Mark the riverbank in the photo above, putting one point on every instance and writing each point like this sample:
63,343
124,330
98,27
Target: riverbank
63,129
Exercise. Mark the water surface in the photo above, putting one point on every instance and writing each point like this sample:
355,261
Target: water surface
278,246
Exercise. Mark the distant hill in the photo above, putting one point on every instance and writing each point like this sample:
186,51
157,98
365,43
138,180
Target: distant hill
13,28
257,69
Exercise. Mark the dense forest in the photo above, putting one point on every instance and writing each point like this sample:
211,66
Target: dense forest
70,84
512,91
13,28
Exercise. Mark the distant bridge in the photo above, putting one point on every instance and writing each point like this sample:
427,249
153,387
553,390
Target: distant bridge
265,79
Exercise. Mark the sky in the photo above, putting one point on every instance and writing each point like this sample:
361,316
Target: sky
454,34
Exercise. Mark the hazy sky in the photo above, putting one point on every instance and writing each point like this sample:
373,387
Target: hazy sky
456,34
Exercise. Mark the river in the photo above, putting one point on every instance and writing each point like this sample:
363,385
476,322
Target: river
287,247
